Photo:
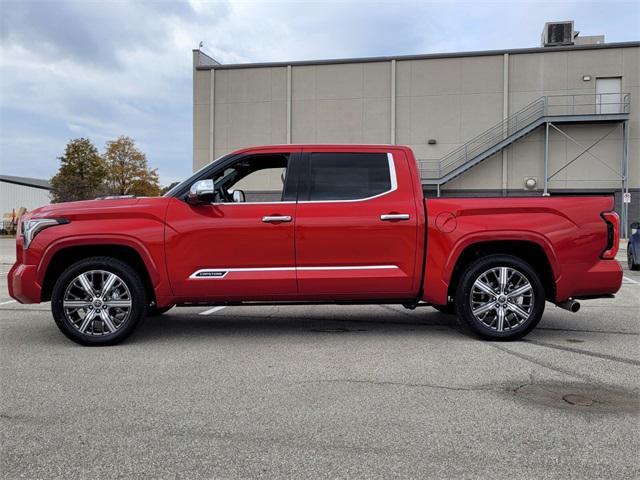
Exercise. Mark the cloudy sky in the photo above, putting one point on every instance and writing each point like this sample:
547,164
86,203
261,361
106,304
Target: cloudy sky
100,69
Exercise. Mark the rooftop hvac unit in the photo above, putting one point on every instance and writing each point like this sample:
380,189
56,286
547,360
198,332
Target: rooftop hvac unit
558,33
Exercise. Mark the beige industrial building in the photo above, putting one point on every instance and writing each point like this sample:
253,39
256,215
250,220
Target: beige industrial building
555,119
19,194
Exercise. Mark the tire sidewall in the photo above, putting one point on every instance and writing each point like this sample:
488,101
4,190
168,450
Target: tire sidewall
463,306
126,273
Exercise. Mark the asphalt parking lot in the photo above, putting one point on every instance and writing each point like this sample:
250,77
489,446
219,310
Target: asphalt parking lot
322,392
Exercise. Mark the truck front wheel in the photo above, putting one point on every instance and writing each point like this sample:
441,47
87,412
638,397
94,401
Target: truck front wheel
500,297
98,301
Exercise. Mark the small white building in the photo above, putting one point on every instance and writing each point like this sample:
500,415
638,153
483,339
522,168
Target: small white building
17,192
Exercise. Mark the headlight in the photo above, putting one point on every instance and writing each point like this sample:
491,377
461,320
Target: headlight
30,228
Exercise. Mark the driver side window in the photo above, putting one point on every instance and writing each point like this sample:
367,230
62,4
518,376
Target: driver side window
260,178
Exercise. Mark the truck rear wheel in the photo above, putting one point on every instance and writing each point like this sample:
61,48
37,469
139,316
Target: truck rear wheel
98,301
500,297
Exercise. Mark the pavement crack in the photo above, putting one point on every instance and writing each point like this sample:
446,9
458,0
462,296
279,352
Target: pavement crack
580,351
587,331
542,363
465,388
531,381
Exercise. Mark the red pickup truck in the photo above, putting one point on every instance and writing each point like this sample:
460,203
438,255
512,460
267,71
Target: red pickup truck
337,224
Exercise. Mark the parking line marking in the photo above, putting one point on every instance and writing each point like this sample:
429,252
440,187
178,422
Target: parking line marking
8,302
631,280
211,310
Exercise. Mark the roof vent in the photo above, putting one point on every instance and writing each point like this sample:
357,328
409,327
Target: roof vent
558,33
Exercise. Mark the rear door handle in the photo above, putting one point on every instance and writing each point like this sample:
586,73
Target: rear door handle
395,216
276,218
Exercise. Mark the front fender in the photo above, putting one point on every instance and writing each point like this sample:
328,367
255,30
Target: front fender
155,273
143,234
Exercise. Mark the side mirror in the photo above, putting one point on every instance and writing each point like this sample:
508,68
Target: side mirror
238,196
201,192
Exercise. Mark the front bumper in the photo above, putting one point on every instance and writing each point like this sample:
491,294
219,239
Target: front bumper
23,284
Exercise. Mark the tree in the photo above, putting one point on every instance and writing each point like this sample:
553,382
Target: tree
81,174
127,170
168,187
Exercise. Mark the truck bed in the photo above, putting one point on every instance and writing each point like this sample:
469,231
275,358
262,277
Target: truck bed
570,231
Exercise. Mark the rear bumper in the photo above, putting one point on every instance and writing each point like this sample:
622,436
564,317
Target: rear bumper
22,283
603,278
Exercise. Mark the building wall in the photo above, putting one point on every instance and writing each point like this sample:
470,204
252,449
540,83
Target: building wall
347,103
14,196
410,101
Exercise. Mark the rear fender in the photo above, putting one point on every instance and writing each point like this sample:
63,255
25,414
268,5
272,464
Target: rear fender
440,267
498,236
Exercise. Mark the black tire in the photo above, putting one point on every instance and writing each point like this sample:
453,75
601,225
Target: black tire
126,275
448,309
155,311
534,305
631,261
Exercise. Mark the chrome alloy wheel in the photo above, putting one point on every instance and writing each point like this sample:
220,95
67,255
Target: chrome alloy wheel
502,299
97,302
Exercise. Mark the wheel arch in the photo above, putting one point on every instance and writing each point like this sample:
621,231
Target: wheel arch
65,256
529,251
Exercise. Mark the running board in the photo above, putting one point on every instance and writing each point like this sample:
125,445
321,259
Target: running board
301,303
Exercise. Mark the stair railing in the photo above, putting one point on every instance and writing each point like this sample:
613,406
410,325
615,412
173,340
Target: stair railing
544,106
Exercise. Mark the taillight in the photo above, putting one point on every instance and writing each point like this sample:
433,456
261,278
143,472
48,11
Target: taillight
613,234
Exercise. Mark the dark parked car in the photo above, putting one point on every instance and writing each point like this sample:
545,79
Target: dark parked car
633,248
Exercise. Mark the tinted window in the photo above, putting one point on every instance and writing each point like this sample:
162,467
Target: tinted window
348,176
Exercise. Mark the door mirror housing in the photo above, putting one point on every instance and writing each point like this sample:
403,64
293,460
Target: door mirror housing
238,196
201,192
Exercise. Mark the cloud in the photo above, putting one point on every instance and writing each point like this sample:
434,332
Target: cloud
102,69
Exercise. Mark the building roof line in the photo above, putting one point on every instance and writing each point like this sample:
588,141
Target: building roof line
26,181
479,53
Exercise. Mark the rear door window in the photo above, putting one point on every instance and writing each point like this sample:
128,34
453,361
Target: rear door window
348,176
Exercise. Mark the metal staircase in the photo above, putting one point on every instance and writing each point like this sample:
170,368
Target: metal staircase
553,108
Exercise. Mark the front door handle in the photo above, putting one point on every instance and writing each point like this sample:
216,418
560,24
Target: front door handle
395,216
276,218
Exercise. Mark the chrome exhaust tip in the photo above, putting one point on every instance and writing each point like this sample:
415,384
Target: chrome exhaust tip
570,305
